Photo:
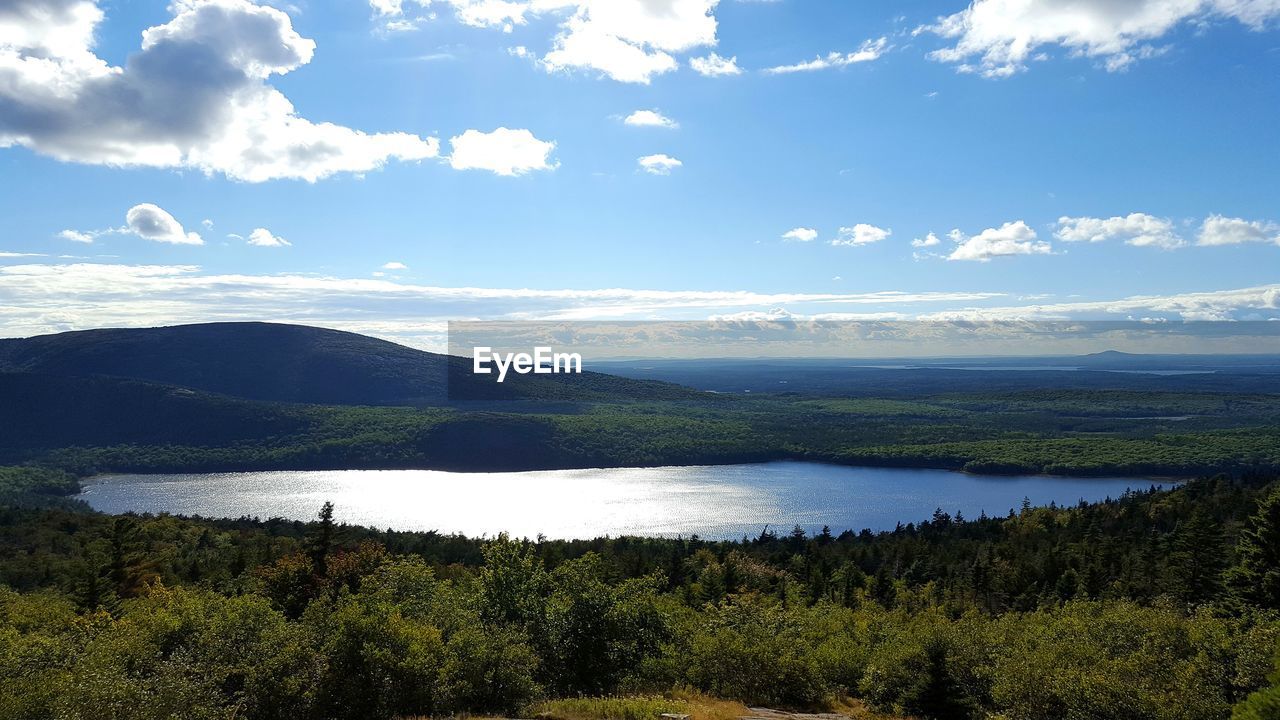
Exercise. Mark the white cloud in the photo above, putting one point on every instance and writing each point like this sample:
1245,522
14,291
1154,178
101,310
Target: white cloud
394,266
262,237
929,240
1012,238
150,222
627,40
869,51
38,298
503,151
78,236
715,66
632,40
860,234
659,164
1138,229
195,96
800,234
1219,230
650,118
1239,304
49,297
1002,36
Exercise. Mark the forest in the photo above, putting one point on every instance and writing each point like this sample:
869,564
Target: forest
293,397
1159,604
1163,604
86,430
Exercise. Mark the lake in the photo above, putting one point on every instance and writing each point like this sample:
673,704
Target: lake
723,501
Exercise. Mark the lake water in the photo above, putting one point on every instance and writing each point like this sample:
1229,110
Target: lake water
724,501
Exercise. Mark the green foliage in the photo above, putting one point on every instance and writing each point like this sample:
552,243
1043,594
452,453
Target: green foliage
1109,610
1256,577
639,707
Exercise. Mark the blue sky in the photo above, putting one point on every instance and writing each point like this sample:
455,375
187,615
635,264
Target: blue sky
1071,159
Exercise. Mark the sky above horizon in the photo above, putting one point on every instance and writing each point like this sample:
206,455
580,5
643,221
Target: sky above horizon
386,166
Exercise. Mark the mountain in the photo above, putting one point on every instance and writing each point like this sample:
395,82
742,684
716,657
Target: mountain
259,361
297,364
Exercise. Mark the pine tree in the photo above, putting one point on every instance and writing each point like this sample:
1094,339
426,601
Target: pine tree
1255,579
320,541
1195,566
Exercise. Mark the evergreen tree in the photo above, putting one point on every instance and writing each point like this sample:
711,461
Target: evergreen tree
1195,565
1255,579
320,542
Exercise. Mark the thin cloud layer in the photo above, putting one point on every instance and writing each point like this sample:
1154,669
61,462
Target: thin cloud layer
870,50
42,298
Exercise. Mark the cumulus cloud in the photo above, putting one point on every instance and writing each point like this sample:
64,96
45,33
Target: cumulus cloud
997,38
147,221
262,237
800,234
658,164
869,51
929,240
196,95
503,151
151,222
79,236
1219,230
650,118
1138,229
715,66
1012,238
631,40
393,265
860,234
626,40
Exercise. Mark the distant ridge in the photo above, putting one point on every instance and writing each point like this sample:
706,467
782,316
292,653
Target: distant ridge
288,363
253,360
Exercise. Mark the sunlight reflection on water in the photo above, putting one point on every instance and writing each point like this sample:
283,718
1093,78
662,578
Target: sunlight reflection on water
725,501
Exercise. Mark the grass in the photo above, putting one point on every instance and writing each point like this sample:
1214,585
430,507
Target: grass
685,702
641,707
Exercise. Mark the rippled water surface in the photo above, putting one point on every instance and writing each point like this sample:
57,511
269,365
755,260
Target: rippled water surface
724,501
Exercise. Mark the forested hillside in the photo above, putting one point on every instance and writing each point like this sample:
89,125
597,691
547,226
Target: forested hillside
1157,605
219,397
